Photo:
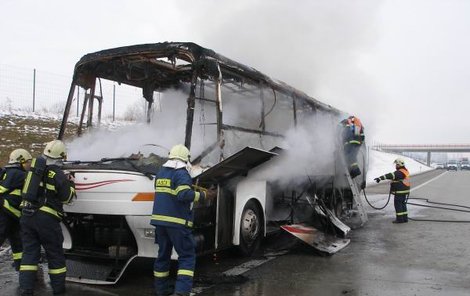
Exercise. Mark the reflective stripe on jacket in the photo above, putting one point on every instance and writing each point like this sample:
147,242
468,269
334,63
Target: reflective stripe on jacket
400,181
10,189
58,191
401,184
173,198
353,133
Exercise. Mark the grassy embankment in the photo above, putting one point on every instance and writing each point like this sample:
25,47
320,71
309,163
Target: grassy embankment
26,132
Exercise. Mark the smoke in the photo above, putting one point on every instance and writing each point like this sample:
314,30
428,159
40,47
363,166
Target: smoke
310,146
319,47
310,152
165,130
315,46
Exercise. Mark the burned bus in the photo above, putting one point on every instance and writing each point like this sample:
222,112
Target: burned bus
271,151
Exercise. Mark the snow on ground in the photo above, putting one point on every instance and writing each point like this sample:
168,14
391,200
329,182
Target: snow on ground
381,163
29,114
45,115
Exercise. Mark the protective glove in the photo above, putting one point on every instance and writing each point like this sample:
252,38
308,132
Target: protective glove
377,180
211,194
69,176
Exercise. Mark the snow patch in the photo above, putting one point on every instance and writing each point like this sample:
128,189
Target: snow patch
381,163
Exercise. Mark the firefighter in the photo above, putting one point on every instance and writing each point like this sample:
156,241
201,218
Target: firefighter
12,179
173,219
41,216
400,188
353,137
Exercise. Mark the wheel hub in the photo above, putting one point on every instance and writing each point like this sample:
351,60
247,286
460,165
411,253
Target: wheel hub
250,226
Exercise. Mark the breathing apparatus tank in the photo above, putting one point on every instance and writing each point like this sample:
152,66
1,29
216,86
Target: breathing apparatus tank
33,181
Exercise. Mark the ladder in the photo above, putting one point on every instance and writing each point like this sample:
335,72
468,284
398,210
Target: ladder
359,217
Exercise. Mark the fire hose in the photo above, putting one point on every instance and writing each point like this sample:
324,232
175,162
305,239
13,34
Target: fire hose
427,206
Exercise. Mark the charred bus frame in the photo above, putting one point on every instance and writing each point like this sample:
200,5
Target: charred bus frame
188,66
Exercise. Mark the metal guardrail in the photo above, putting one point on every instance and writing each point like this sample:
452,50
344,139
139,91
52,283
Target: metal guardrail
423,147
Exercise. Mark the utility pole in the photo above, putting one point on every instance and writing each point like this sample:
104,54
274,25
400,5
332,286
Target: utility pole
34,88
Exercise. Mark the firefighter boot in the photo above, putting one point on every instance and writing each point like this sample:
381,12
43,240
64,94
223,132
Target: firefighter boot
163,287
58,283
355,171
60,291
165,293
26,292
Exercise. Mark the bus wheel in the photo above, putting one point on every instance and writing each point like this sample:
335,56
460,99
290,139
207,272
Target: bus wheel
251,228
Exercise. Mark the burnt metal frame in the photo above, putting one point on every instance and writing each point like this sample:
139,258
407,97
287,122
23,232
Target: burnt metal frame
141,66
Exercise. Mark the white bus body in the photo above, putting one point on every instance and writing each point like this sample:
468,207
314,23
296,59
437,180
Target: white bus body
108,225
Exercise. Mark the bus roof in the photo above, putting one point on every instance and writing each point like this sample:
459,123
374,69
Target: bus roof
164,65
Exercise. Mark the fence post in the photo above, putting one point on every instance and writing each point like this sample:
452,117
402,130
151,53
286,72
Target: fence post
34,88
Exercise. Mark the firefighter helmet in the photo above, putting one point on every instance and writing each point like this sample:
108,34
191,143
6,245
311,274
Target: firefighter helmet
399,162
179,152
19,156
55,150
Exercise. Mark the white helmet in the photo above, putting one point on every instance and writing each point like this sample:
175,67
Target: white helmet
399,162
179,152
55,150
19,156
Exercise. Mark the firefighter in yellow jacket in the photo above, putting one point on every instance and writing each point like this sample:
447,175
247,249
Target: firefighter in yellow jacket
400,188
46,189
12,178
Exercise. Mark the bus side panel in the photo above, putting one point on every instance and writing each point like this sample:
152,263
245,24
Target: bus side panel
144,235
67,243
247,190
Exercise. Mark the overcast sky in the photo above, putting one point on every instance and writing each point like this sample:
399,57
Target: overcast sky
402,66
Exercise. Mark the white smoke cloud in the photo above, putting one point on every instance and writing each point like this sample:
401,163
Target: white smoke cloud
315,46
310,146
166,129
310,151
365,57
319,47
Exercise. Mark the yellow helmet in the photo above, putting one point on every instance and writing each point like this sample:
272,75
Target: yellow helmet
19,156
400,162
179,152
55,149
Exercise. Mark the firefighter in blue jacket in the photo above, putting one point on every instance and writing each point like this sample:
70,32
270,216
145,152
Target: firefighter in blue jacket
400,188
41,216
173,219
12,179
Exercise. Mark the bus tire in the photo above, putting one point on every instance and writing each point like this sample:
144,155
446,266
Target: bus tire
251,228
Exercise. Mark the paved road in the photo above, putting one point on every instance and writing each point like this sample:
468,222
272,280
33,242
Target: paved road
418,258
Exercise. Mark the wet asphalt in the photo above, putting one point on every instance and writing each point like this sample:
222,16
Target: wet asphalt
417,258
